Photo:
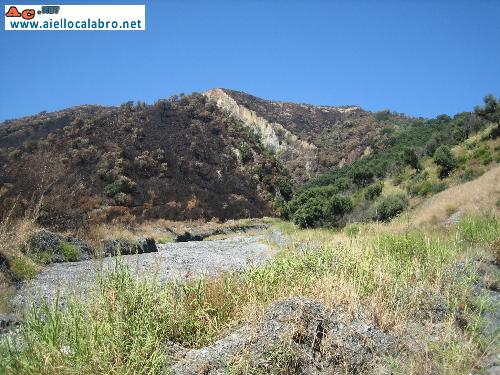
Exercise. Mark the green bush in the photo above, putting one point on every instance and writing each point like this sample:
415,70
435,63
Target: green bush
373,191
284,186
470,174
362,176
246,153
121,199
479,230
122,184
425,188
445,160
352,230
310,214
388,207
318,207
410,158
23,268
69,252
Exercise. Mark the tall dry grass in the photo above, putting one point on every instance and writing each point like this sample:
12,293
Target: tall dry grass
480,196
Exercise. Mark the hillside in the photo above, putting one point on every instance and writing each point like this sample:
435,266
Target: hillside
224,154
178,159
310,139
218,155
387,264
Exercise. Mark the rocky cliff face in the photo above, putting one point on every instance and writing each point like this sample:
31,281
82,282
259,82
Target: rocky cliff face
308,139
273,135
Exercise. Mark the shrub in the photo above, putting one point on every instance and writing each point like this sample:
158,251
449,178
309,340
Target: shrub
283,185
362,176
352,230
69,252
383,115
479,230
122,199
426,187
470,174
319,207
310,214
445,160
122,184
246,153
373,191
388,207
22,268
410,158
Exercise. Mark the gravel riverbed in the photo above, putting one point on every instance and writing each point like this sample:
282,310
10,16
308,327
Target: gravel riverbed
173,261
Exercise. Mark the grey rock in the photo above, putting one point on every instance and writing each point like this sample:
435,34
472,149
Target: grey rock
200,234
47,243
146,245
453,219
127,247
8,323
316,340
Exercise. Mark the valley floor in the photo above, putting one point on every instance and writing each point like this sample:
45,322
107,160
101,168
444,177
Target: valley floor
396,298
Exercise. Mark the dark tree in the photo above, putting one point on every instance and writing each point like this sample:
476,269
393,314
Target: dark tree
410,158
445,160
490,112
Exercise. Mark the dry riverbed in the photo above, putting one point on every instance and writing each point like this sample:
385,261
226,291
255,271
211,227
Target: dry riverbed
175,261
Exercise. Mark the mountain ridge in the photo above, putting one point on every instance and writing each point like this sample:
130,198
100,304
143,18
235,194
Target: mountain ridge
221,154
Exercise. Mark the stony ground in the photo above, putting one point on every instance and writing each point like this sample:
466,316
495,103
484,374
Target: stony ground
173,261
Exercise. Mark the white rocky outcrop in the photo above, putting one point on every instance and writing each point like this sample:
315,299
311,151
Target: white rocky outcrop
285,144
273,135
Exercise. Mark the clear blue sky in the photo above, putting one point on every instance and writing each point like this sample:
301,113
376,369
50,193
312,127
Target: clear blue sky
422,58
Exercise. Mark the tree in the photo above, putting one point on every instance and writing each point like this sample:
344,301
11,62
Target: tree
283,185
362,176
490,112
388,207
433,144
246,153
445,160
317,207
410,158
373,191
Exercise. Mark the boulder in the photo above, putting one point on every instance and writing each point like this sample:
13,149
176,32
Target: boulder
296,336
127,247
8,322
53,247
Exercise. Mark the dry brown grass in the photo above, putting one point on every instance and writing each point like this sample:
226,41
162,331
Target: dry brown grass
160,230
14,265
478,196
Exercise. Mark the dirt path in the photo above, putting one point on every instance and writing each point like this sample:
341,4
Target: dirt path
173,261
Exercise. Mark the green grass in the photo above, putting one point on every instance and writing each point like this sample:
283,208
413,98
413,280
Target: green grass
165,240
70,252
122,328
480,230
22,267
